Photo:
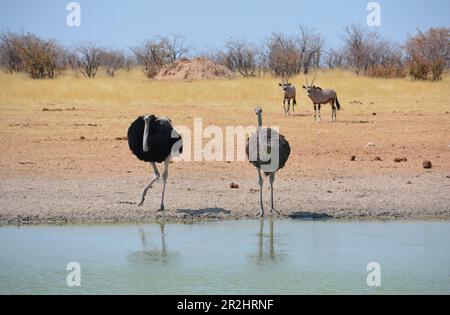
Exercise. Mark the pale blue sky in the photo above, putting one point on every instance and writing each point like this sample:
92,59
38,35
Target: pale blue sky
209,23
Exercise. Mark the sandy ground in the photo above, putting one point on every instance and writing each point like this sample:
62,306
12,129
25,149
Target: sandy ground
49,175
68,180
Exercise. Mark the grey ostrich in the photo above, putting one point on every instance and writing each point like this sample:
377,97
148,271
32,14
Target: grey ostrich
268,151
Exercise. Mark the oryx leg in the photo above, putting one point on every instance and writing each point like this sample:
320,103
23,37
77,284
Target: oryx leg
272,208
335,110
165,176
315,112
293,106
288,112
260,183
150,184
318,112
284,105
332,110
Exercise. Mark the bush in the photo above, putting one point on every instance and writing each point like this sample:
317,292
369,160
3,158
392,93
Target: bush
38,57
152,56
428,53
418,69
387,71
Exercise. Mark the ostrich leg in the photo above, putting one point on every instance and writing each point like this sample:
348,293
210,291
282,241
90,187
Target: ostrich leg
260,182
272,208
165,176
152,181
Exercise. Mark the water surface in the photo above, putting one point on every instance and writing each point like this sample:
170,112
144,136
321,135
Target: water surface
241,257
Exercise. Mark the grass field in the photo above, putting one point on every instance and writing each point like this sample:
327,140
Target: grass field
401,118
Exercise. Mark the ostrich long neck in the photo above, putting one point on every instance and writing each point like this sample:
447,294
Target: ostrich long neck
145,138
259,120
258,133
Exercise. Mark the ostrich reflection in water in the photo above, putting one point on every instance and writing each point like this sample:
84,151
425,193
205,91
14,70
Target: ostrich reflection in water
148,256
266,249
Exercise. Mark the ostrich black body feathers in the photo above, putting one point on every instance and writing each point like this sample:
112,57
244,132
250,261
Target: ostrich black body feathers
161,139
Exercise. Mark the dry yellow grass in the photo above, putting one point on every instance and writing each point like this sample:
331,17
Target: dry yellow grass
133,88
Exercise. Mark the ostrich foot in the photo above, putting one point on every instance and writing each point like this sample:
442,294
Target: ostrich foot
274,212
260,213
161,209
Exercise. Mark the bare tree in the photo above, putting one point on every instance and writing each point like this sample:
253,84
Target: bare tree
290,55
365,52
10,58
112,60
242,56
130,62
70,59
311,47
89,59
385,60
334,58
428,52
218,56
151,55
283,56
175,46
358,44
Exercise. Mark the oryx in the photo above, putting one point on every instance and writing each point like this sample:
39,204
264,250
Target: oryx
319,96
289,93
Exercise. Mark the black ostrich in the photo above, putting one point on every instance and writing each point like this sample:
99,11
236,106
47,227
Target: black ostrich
268,151
153,139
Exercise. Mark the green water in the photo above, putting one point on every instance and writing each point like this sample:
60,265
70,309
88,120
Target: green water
243,257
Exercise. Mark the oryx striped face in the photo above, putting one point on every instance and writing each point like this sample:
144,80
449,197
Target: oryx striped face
284,86
308,89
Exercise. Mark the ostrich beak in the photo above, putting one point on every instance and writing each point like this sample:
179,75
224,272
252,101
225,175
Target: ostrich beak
258,110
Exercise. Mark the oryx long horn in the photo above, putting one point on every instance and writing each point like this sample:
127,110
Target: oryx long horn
314,79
